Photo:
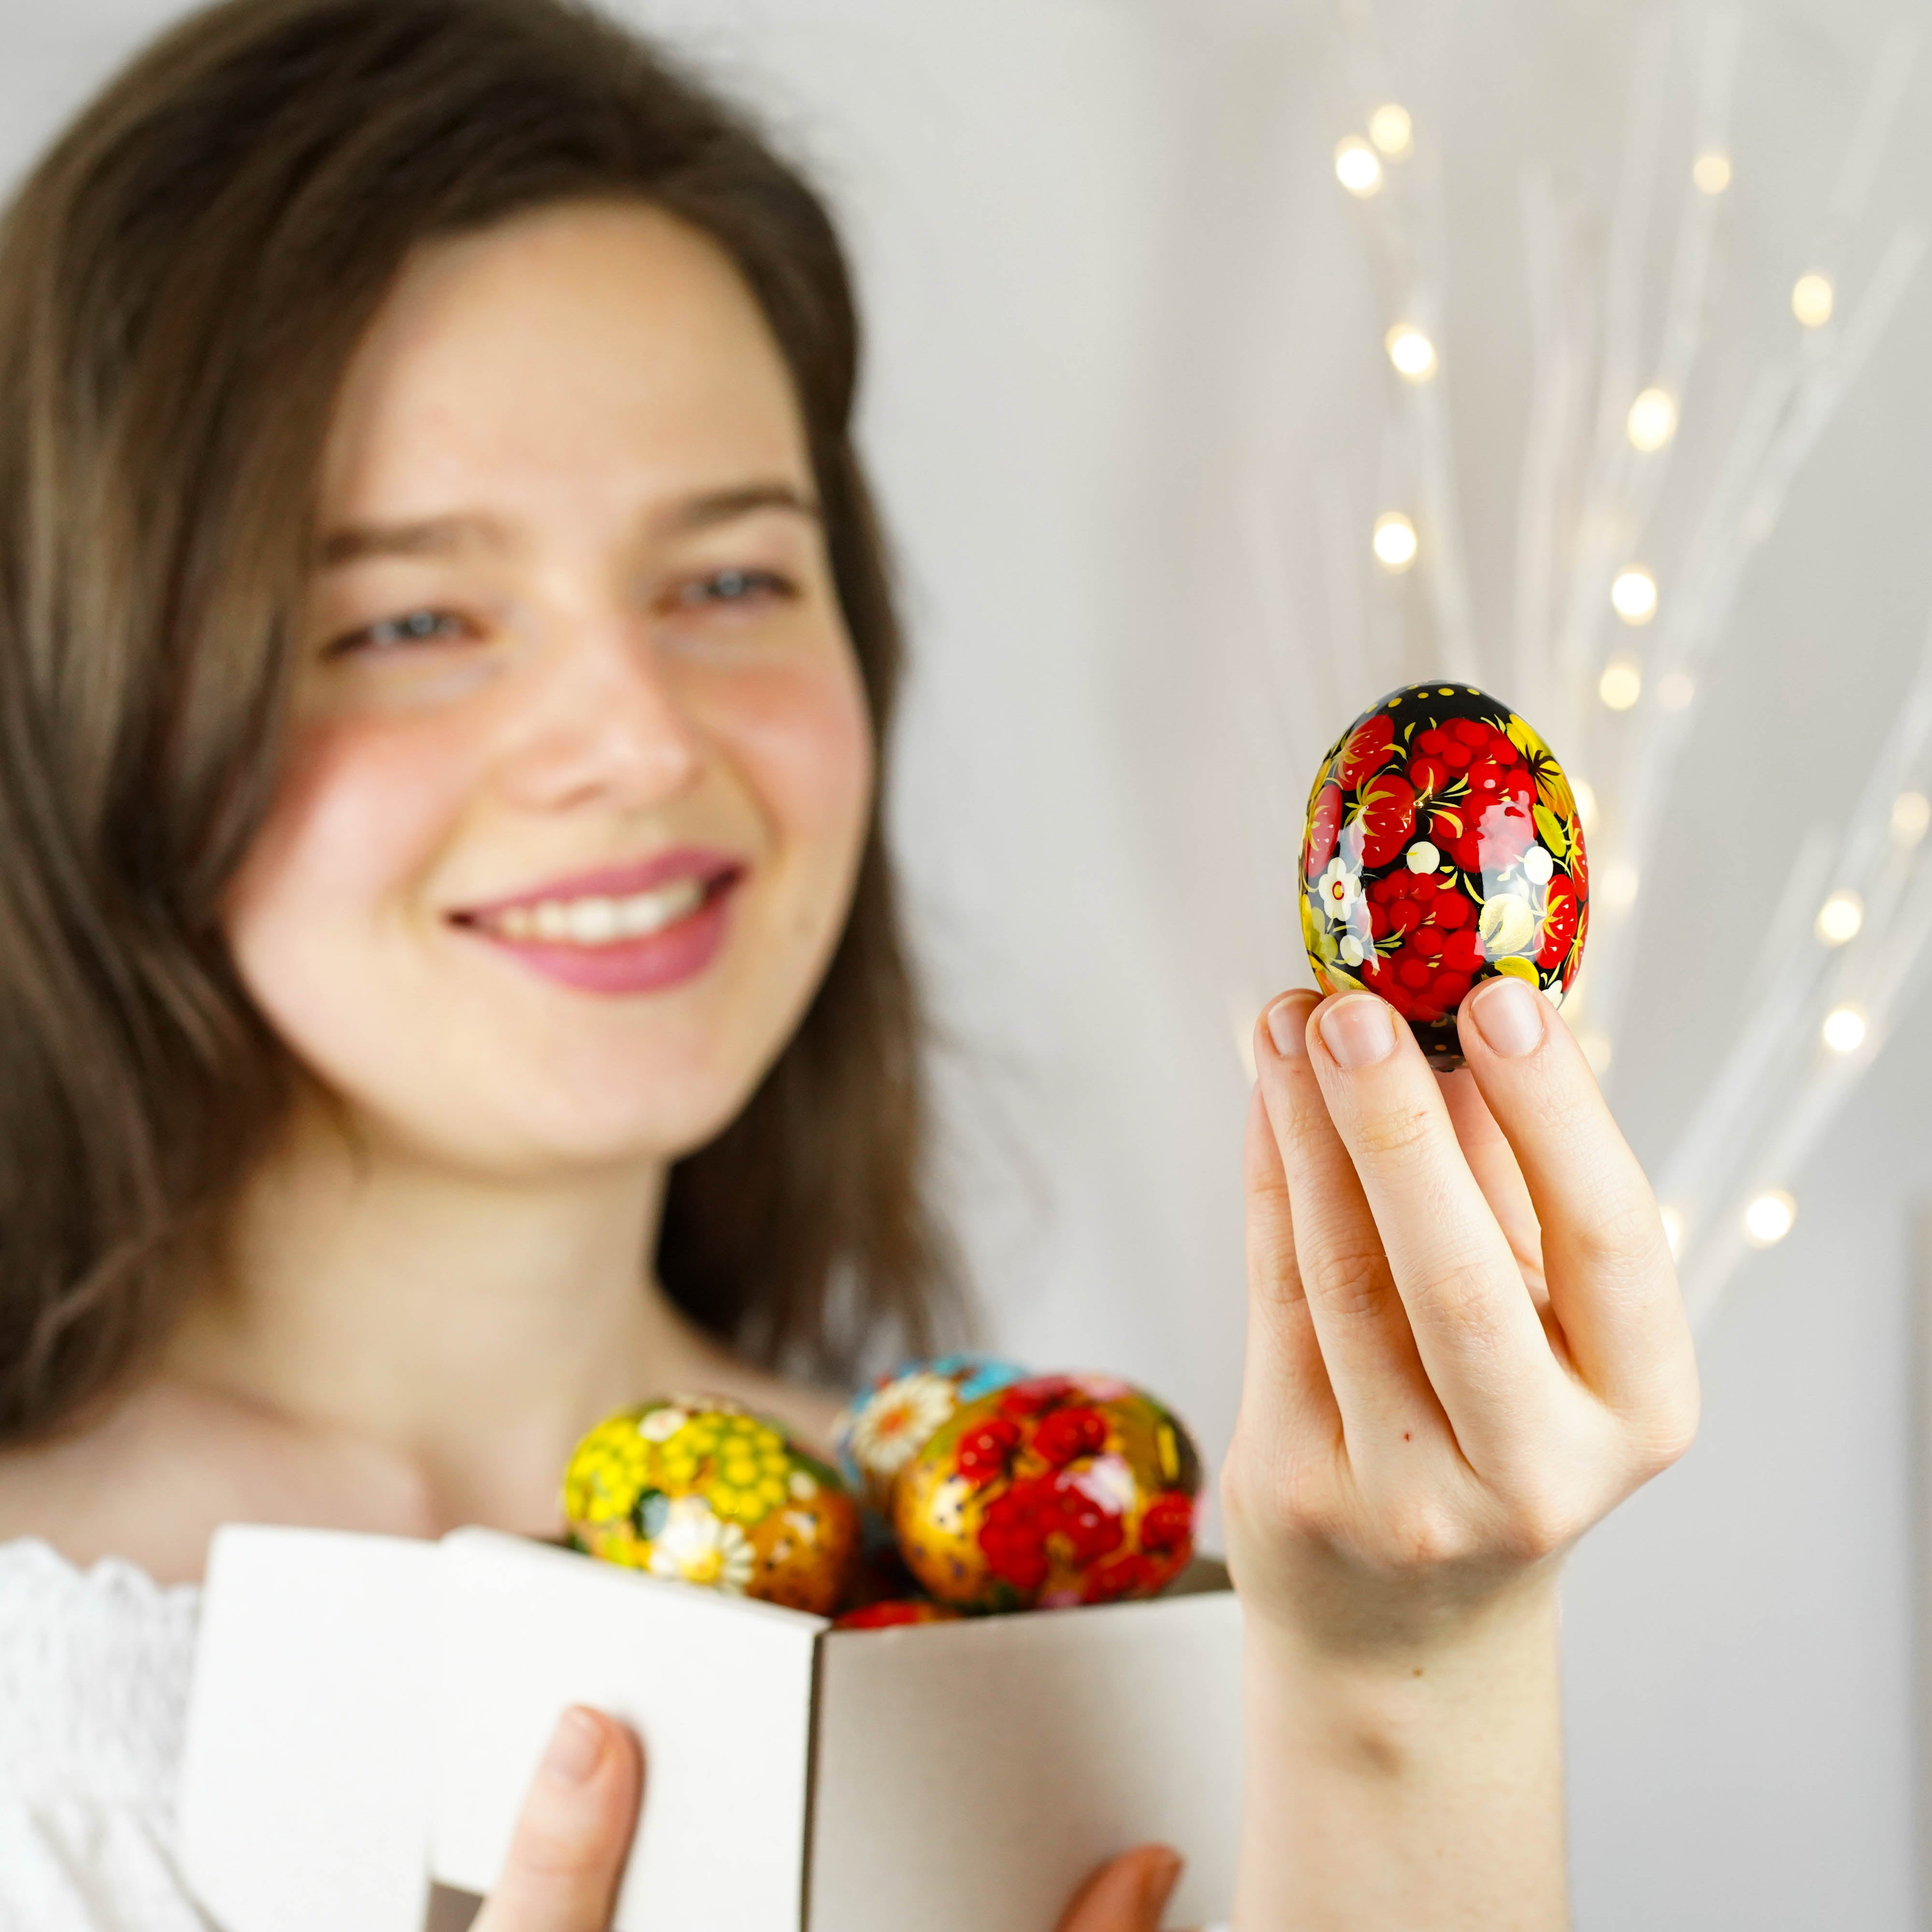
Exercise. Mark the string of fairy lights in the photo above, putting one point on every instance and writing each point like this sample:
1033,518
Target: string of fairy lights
1615,647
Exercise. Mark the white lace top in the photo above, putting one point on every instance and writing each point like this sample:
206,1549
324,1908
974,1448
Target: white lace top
93,1680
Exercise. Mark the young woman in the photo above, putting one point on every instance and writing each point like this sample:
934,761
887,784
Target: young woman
451,985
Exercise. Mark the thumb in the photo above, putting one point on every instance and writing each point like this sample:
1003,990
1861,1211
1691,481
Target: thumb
572,1834
1126,1895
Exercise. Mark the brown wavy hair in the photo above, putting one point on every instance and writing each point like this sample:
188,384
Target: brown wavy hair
184,277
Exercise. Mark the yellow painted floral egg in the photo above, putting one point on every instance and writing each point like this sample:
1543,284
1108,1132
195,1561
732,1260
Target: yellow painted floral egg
884,1426
697,1489
1052,1491
1443,846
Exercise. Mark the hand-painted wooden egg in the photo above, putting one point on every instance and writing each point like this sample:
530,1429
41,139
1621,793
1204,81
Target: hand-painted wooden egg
697,1489
1443,846
1055,1490
892,1612
886,1426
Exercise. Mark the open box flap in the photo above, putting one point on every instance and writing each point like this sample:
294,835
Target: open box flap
719,1688
308,1731
1014,1753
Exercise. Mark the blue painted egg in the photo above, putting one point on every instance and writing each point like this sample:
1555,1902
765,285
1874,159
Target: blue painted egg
885,1426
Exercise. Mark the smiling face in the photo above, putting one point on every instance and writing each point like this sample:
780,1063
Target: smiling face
579,777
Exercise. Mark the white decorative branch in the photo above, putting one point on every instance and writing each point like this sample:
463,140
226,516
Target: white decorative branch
1586,499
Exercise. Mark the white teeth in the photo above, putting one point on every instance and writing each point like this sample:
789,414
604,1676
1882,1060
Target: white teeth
598,921
649,912
593,922
638,915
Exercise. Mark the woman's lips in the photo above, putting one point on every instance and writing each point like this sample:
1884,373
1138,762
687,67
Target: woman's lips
672,867
624,929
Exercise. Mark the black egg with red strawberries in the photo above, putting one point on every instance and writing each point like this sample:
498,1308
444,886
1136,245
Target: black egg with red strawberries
1443,848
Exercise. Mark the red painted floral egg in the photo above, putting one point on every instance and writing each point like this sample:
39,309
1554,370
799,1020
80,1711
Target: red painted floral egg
894,1613
1443,848
1054,1490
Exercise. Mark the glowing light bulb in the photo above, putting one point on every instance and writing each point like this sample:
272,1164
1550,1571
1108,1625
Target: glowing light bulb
1673,1229
1767,1219
1911,814
1411,352
1839,917
1621,684
1394,541
1633,595
1811,299
1652,420
1585,793
1356,167
1392,131
1711,171
1844,1029
1616,886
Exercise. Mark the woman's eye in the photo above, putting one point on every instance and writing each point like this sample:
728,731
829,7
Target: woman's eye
413,627
734,586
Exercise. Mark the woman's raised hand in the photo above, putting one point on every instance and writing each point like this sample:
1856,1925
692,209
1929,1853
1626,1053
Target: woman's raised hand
567,1852
1465,1341
1465,1345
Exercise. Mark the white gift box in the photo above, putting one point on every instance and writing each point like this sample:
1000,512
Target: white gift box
368,1711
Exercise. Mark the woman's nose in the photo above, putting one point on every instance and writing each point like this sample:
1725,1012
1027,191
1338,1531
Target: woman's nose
598,719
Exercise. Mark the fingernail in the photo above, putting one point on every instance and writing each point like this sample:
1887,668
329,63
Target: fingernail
575,1746
1358,1031
1288,1025
1163,1875
1509,1016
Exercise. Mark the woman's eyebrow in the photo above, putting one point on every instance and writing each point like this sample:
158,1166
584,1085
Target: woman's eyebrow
721,506
430,536
446,535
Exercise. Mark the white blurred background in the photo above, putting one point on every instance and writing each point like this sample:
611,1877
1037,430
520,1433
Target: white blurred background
1118,309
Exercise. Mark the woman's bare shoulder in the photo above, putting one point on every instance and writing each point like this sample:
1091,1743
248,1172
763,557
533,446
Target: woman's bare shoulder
153,1477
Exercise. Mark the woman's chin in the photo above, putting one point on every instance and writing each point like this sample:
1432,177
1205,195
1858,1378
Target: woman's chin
539,1139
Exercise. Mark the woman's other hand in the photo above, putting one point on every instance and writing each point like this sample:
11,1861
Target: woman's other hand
1465,1345
1126,1893
567,1852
